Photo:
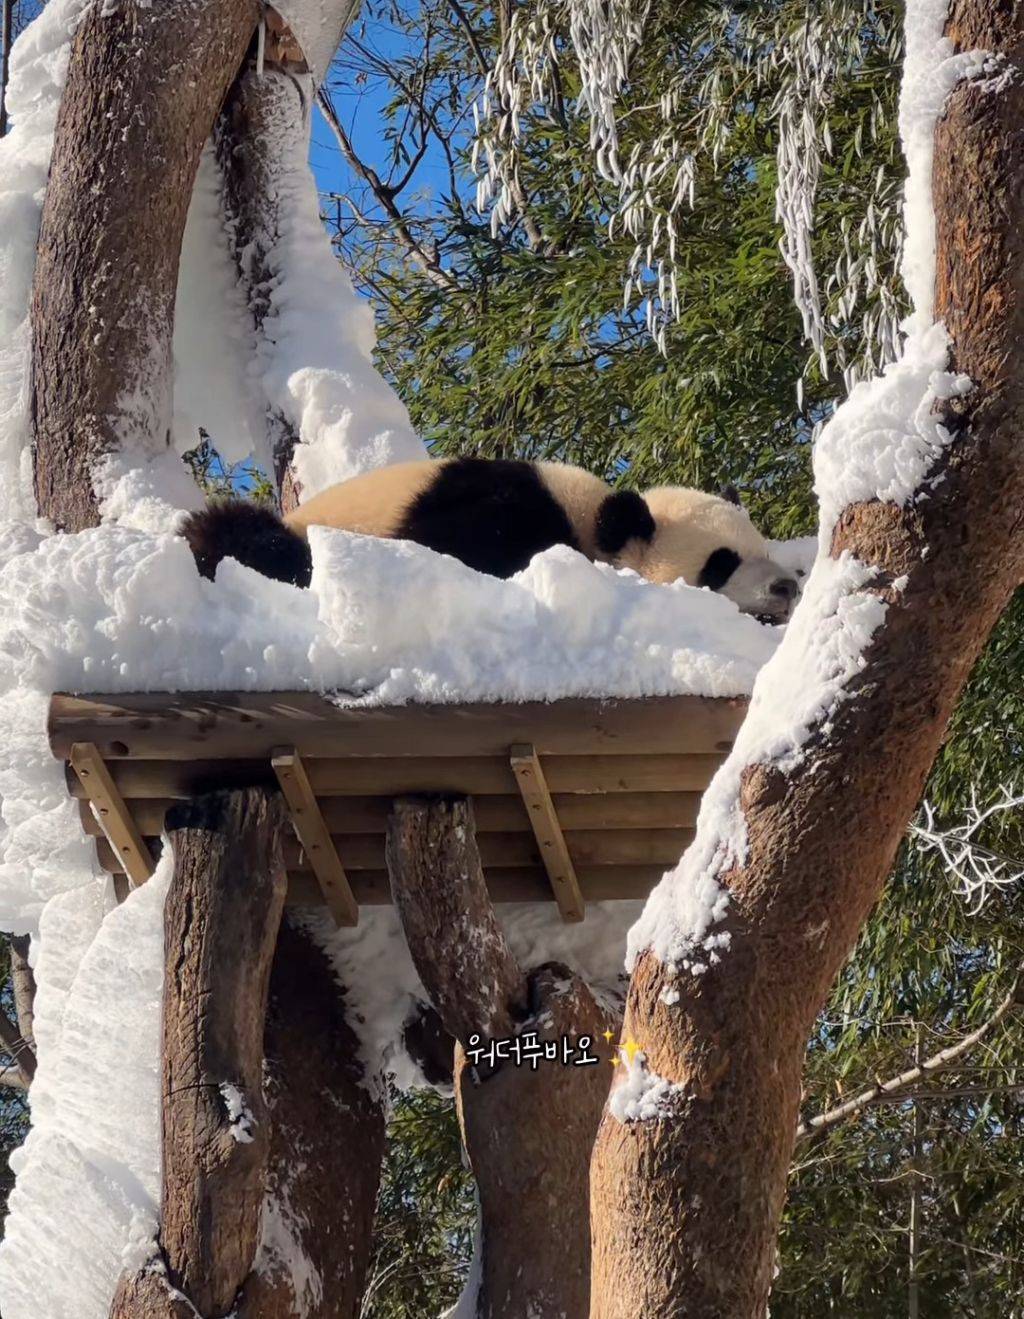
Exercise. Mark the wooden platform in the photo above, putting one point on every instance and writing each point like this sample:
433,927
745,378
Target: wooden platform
576,797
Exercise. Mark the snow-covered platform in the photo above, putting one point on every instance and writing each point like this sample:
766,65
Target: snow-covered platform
574,800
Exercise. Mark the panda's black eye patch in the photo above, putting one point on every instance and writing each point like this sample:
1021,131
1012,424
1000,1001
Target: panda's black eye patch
623,516
719,567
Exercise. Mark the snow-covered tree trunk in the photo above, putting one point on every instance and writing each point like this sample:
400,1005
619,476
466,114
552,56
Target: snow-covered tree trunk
221,922
527,1128
143,87
689,1169
266,110
326,1146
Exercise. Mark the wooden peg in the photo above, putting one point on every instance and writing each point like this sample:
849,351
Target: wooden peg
315,837
113,815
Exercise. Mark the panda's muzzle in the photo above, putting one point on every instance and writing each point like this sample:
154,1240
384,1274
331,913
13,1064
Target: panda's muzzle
762,588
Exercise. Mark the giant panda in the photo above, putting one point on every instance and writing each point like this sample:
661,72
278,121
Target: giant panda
496,514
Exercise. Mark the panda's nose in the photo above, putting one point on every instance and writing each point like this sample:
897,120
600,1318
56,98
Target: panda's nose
785,588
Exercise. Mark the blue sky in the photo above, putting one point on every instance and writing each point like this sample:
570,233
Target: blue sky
361,111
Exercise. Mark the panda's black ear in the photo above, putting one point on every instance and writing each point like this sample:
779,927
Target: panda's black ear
622,516
731,494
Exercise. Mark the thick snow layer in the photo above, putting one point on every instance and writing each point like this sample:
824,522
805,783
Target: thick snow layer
883,441
885,438
214,385
318,26
114,609
88,1177
315,350
796,691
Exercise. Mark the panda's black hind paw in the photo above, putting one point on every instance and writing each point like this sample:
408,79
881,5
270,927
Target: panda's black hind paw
250,533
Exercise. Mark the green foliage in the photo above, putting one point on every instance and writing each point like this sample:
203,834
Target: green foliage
219,479
13,1105
425,1213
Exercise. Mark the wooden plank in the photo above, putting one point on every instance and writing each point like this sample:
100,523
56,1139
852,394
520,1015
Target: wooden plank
249,725
547,831
315,837
113,815
472,776
611,847
505,884
371,888
346,816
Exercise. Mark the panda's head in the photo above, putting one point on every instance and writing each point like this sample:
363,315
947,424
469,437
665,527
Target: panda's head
707,540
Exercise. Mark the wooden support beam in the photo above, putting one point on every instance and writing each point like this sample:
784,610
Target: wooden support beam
248,725
394,776
111,812
613,847
626,812
548,832
315,837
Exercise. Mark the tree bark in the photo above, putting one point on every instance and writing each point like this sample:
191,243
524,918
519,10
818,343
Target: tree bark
457,945
220,924
23,983
14,1043
528,1132
326,1146
262,116
686,1208
144,84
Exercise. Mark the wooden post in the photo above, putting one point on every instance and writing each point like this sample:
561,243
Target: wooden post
528,1132
220,924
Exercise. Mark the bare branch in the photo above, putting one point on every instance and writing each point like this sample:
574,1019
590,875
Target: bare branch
978,869
23,983
898,1089
18,1047
471,36
426,260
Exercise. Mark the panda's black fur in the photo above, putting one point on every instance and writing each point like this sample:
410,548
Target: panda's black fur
492,514
250,533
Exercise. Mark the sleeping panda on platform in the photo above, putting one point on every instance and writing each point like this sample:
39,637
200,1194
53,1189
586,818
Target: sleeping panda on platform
496,514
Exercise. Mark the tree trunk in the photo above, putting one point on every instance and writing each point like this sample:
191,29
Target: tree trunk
263,114
686,1207
220,924
6,32
326,1146
144,84
528,1131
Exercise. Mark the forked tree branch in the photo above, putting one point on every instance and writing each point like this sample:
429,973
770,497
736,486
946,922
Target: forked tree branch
427,260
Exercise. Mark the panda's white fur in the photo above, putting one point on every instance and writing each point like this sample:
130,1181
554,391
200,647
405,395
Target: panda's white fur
375,503
689,526
372,504
495,516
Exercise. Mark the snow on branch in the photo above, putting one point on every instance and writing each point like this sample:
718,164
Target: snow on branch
978,869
